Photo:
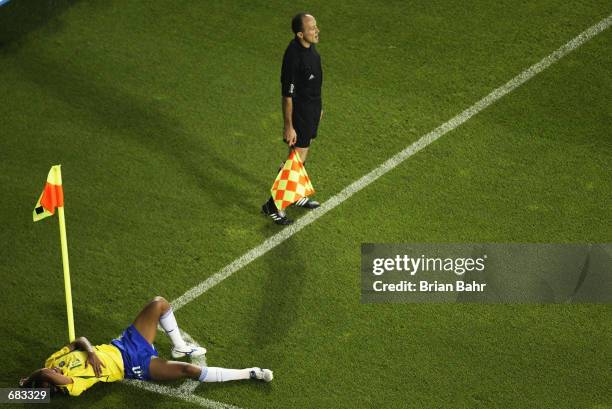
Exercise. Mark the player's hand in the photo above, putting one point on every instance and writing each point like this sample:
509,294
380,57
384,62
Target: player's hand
23,382
290,136
95,362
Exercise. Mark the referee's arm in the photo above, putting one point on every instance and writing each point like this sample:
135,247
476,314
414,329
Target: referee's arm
289,133
288,76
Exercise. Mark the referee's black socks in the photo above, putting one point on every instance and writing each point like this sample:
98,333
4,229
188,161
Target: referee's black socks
270,204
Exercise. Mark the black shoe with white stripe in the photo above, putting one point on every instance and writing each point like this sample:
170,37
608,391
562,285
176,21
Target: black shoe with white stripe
275,215
307,203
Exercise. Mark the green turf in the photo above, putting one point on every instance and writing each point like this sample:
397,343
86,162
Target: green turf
165,118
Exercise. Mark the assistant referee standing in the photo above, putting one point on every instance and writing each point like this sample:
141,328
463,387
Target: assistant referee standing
301,80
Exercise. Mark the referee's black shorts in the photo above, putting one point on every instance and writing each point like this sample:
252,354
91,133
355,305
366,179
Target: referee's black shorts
306,125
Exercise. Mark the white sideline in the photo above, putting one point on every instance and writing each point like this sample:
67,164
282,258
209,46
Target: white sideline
178,393
390,164
185,392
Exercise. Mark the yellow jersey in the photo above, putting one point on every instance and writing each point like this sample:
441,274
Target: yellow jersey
72,365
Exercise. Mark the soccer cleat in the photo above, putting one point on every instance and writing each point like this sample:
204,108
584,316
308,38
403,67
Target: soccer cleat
188,350
307,203
275,215
262,374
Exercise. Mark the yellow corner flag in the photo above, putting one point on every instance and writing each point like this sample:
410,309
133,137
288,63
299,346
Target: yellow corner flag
51,198
292,182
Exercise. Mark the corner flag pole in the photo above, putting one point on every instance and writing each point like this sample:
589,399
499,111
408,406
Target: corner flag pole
50,199
64,244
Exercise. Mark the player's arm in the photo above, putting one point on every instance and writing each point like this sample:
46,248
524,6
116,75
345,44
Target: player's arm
83,344
45,375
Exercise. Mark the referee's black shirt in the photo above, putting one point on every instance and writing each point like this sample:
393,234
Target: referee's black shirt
301,79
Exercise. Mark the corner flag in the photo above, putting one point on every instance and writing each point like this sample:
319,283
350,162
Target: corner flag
51,198
292,182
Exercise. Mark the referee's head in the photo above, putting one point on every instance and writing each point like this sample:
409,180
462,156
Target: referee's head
304,26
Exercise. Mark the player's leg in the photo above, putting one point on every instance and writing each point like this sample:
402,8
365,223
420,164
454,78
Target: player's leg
162,370
147,319
160,311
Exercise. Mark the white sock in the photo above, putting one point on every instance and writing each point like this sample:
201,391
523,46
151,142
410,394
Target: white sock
214,374
169,324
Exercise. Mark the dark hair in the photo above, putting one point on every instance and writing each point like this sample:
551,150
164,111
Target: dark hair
297,23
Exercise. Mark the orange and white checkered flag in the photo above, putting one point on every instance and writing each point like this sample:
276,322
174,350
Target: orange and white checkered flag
292,182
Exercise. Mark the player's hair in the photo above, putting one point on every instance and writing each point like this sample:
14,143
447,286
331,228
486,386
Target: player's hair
53,389
297,23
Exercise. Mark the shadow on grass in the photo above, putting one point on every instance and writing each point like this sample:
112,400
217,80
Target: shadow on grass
282,293
123,115
18,18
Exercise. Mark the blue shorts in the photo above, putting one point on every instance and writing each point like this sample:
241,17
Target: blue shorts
136,352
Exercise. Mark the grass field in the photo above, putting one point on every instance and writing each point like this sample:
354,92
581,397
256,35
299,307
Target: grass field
166,119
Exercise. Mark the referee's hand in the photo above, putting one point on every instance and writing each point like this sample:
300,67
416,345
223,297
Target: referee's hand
290,136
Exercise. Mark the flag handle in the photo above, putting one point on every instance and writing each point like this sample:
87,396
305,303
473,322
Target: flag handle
67,286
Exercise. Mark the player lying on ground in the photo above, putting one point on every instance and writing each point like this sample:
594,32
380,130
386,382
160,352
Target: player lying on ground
78,366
